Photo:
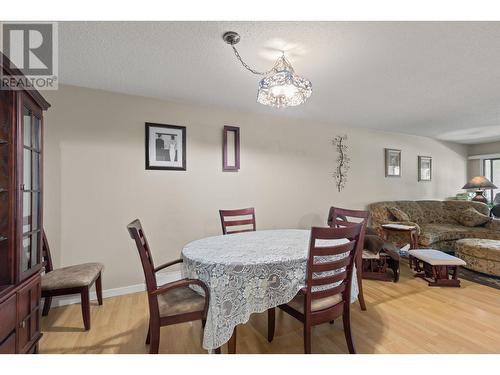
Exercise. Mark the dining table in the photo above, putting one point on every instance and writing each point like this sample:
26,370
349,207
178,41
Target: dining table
248,273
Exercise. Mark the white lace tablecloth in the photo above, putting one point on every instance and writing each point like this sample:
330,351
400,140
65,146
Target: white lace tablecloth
248,273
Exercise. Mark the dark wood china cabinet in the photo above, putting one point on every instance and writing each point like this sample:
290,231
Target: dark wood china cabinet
21,197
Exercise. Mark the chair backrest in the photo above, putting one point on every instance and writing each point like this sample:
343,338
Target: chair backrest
46,257
339,216
246,217
137,234
335,214
327,277
495,211
496,200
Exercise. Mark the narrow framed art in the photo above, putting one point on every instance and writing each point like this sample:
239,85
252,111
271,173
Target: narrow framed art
231,149
424,168
165,147
392,162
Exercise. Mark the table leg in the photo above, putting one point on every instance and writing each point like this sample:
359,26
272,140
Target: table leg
231,345
414,239
271,320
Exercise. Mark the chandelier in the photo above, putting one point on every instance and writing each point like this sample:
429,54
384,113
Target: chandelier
280,87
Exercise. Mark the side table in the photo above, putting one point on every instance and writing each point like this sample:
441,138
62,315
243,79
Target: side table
400,228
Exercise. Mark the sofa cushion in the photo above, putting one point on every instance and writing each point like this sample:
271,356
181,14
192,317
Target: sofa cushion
441,232
431,233
399,214
412,209
493,225
453,209
433,213
472,218
418,212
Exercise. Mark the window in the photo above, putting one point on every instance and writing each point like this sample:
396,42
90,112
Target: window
491,169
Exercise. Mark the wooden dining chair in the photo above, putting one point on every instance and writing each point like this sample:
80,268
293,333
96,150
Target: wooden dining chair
77,279
327,295
172,303
248,215
338,215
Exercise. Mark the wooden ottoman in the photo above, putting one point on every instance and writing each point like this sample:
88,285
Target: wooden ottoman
436,267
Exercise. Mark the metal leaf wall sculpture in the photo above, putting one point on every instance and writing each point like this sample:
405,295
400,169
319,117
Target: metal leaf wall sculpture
343,161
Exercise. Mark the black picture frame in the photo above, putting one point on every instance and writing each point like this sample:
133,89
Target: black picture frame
163,164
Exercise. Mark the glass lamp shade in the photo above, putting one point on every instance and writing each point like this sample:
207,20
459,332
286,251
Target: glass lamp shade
283,88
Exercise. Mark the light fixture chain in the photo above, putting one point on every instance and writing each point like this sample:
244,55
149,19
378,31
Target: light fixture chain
250,69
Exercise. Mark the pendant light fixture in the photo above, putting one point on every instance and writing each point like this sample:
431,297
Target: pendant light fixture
280,87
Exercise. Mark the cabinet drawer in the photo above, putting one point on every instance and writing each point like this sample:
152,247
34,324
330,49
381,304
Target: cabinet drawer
28,313
28,298
9,345
7,317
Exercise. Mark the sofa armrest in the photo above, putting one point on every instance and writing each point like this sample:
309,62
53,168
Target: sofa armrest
493,224
410,223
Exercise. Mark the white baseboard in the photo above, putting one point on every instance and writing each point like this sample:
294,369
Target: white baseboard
161,277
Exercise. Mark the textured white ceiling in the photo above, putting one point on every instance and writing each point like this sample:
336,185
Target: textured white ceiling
438,79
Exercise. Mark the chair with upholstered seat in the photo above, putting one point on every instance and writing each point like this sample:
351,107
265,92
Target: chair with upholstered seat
495,210
245,217
334,215
77,279
172,303
327,294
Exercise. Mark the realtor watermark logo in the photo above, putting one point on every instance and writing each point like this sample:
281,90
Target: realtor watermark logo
31,47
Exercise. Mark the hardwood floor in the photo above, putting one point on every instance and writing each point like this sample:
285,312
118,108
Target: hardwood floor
407,317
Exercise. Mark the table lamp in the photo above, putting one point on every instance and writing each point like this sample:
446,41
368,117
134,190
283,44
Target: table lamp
479,184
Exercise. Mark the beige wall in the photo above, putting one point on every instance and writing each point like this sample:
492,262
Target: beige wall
474,165
484,148
473,168
95,181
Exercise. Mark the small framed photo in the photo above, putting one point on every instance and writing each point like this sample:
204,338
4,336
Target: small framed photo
165,147
424,168
392,163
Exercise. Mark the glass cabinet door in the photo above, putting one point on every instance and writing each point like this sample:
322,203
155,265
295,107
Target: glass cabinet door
31,190
6,180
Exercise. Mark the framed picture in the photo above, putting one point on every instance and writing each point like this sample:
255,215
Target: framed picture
231,149
392,163
165,147
424,168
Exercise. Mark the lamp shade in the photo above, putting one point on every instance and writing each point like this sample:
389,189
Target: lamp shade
479,182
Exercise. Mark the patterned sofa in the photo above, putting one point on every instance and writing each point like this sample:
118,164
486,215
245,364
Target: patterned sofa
436,221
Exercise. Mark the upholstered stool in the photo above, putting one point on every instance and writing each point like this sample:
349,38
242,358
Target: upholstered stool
437,267
481,255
